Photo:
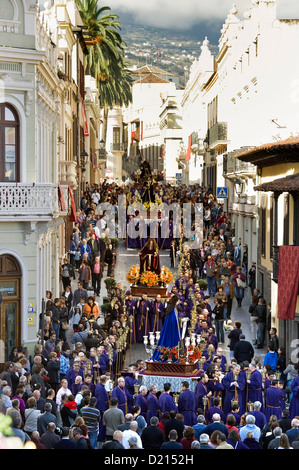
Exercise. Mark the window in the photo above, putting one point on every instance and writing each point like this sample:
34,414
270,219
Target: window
9,144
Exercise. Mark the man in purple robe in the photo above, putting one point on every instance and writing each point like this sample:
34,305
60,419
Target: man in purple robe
132,238
234,388
215,409
142,318
166,402
72,373
294,404
102,405
141,400
157,314
130,381
187,404
273,400
120,393
153,403
201,390
260,418
254,386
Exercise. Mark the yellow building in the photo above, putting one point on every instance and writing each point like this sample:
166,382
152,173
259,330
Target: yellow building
278,232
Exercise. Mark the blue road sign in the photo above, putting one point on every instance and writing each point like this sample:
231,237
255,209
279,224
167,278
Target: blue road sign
222,193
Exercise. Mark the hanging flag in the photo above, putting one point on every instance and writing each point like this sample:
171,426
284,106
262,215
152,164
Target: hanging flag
84,119
188,154
288,280
61,198
73,214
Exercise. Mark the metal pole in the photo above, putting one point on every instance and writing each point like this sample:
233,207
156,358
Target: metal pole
43,322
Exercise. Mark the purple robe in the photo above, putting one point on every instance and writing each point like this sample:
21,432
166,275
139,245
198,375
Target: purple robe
166,403
71,376
131,241
230,391
255,392
153,406
201,391
156,318
120,393
141,401
102,397
142,320
260,418
294,404
129,387
212,410
273,402
187,406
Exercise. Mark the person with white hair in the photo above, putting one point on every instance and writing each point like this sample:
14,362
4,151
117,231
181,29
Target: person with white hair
132,432
293,433
216,425
141,400
204,441
250,427
260,418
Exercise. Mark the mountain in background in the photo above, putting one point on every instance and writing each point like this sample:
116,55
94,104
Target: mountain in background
173,51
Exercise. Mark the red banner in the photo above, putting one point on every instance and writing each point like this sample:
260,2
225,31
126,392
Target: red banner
61,198
288,281
84,119
188,154
73,214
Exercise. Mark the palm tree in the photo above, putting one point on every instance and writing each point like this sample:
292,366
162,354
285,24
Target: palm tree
105,59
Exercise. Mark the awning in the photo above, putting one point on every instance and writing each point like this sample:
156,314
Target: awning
272,153
287,184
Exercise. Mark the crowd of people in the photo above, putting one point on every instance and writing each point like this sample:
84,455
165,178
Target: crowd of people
76,389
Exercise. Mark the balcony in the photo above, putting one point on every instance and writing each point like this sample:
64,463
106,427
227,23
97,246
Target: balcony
118,147
233,166
217,135
29,201
67,173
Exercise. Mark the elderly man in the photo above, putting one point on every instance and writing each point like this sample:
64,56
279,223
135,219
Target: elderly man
250,427
115,442
5,398
120,393
216,425
260,418
141,400
129,433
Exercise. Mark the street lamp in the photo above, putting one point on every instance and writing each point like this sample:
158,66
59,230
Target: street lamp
83,160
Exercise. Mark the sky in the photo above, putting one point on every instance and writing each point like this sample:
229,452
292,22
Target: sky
184,14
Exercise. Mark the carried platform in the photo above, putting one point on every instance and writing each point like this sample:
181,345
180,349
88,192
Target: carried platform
150,291
174,369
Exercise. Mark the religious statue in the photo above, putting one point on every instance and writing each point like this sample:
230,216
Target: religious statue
146,169
149,257
170,336
148,193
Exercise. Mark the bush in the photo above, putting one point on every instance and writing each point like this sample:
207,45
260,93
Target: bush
203,284
110,283
106,308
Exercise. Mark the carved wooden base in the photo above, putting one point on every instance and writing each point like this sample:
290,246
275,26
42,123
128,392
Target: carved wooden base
180,369
150,291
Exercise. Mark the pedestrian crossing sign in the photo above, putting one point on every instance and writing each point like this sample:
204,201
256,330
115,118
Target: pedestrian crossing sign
222,193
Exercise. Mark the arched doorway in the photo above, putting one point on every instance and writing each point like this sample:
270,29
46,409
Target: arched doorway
10,303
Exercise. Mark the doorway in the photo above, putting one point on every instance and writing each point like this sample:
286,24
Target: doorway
10,304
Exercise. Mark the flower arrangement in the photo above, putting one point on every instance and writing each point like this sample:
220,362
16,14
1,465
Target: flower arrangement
133,274
194,353
149,279
166,275
169,354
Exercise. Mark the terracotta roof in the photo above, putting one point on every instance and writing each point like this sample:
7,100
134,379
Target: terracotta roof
151,78
150,69
256,154
287,184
